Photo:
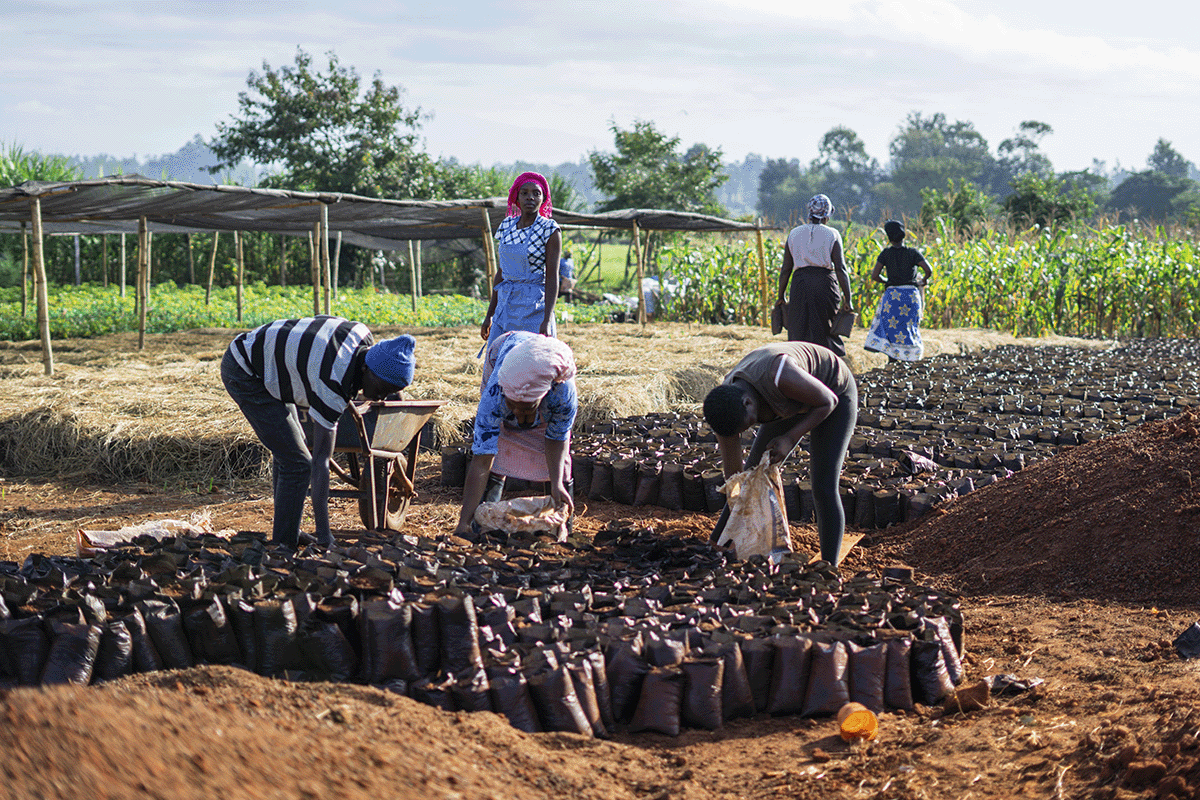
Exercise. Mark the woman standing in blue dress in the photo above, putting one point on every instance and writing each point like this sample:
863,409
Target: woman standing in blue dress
527,240
896,329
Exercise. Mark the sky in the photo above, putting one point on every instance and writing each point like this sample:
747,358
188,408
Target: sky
545,82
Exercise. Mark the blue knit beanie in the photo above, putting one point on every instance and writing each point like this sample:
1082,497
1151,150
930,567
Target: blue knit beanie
392,360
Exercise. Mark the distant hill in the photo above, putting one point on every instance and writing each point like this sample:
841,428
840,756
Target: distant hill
187,164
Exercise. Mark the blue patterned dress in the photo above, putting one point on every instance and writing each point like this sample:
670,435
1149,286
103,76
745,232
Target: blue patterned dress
521,296
896,328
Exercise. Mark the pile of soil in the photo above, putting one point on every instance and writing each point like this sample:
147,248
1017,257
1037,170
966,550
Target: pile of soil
1113,519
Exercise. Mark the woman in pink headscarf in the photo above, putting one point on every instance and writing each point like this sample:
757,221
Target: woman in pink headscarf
527,240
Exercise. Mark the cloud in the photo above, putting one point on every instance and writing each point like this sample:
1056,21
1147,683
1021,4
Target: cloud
36,108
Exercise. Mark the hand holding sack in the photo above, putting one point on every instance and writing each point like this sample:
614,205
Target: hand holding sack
758,521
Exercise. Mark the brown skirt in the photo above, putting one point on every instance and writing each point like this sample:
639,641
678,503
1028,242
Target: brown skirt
813,300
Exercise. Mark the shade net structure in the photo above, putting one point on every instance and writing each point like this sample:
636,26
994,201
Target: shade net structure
115,204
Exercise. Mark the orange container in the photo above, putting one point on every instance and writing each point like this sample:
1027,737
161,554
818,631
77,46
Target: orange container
856,721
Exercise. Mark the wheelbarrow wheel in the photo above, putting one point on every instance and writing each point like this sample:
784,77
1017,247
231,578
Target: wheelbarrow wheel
393,502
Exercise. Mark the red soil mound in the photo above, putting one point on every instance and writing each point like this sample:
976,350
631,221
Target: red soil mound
1115,519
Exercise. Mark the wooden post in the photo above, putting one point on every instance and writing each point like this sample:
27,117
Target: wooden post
489,256
122,270
420,290
337,263
142,269
212,268
762,275
104,260
283,259
326,272
641,296
39,285
412,274
314,236
241,270
24,272
149,261
191,262
78,277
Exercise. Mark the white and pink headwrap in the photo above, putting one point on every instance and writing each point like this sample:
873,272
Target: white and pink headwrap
530,368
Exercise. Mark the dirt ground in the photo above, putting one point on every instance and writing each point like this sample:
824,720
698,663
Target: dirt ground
1079,571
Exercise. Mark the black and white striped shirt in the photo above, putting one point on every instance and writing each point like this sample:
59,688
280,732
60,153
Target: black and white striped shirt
315,362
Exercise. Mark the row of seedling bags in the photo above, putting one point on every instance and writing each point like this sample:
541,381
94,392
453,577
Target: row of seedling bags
867,504
647,678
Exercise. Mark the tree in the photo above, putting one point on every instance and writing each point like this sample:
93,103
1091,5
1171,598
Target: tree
965,207
647,171
845,172
1167,160
328,132
930,152
1148,195
1093,181
1037,200
1021,154
778,188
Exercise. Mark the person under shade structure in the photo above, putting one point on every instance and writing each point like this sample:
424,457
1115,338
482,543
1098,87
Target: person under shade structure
566,276
527,240
816,271
319,364
896,328
789,389
523,423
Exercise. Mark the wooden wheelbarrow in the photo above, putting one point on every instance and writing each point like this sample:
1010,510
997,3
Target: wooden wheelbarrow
380,439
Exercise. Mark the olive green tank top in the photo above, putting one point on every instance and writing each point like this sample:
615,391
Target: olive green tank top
761,365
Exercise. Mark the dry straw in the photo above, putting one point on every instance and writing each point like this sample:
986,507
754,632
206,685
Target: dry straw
116,414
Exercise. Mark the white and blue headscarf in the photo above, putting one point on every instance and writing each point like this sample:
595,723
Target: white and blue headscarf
820,207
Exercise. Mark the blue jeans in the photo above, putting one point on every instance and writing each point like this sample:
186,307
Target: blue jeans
278,427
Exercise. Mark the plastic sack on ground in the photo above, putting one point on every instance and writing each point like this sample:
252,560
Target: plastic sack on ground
89,543
523,515
758,521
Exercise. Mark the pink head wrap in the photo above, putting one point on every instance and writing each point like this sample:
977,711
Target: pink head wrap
514,210
530,368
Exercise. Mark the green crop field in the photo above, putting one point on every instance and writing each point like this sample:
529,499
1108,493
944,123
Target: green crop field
1108,280
88,310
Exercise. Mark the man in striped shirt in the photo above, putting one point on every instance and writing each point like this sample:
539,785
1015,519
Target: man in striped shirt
319,364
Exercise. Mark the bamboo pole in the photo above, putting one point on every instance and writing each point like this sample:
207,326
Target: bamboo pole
762,275
283,259
337,263
641,296
412,274
241,270
212,268
420,289
104,259
326,272
142,268
149,262
191,262
78,276
24,271
315,266
41,291
123,265
489,257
